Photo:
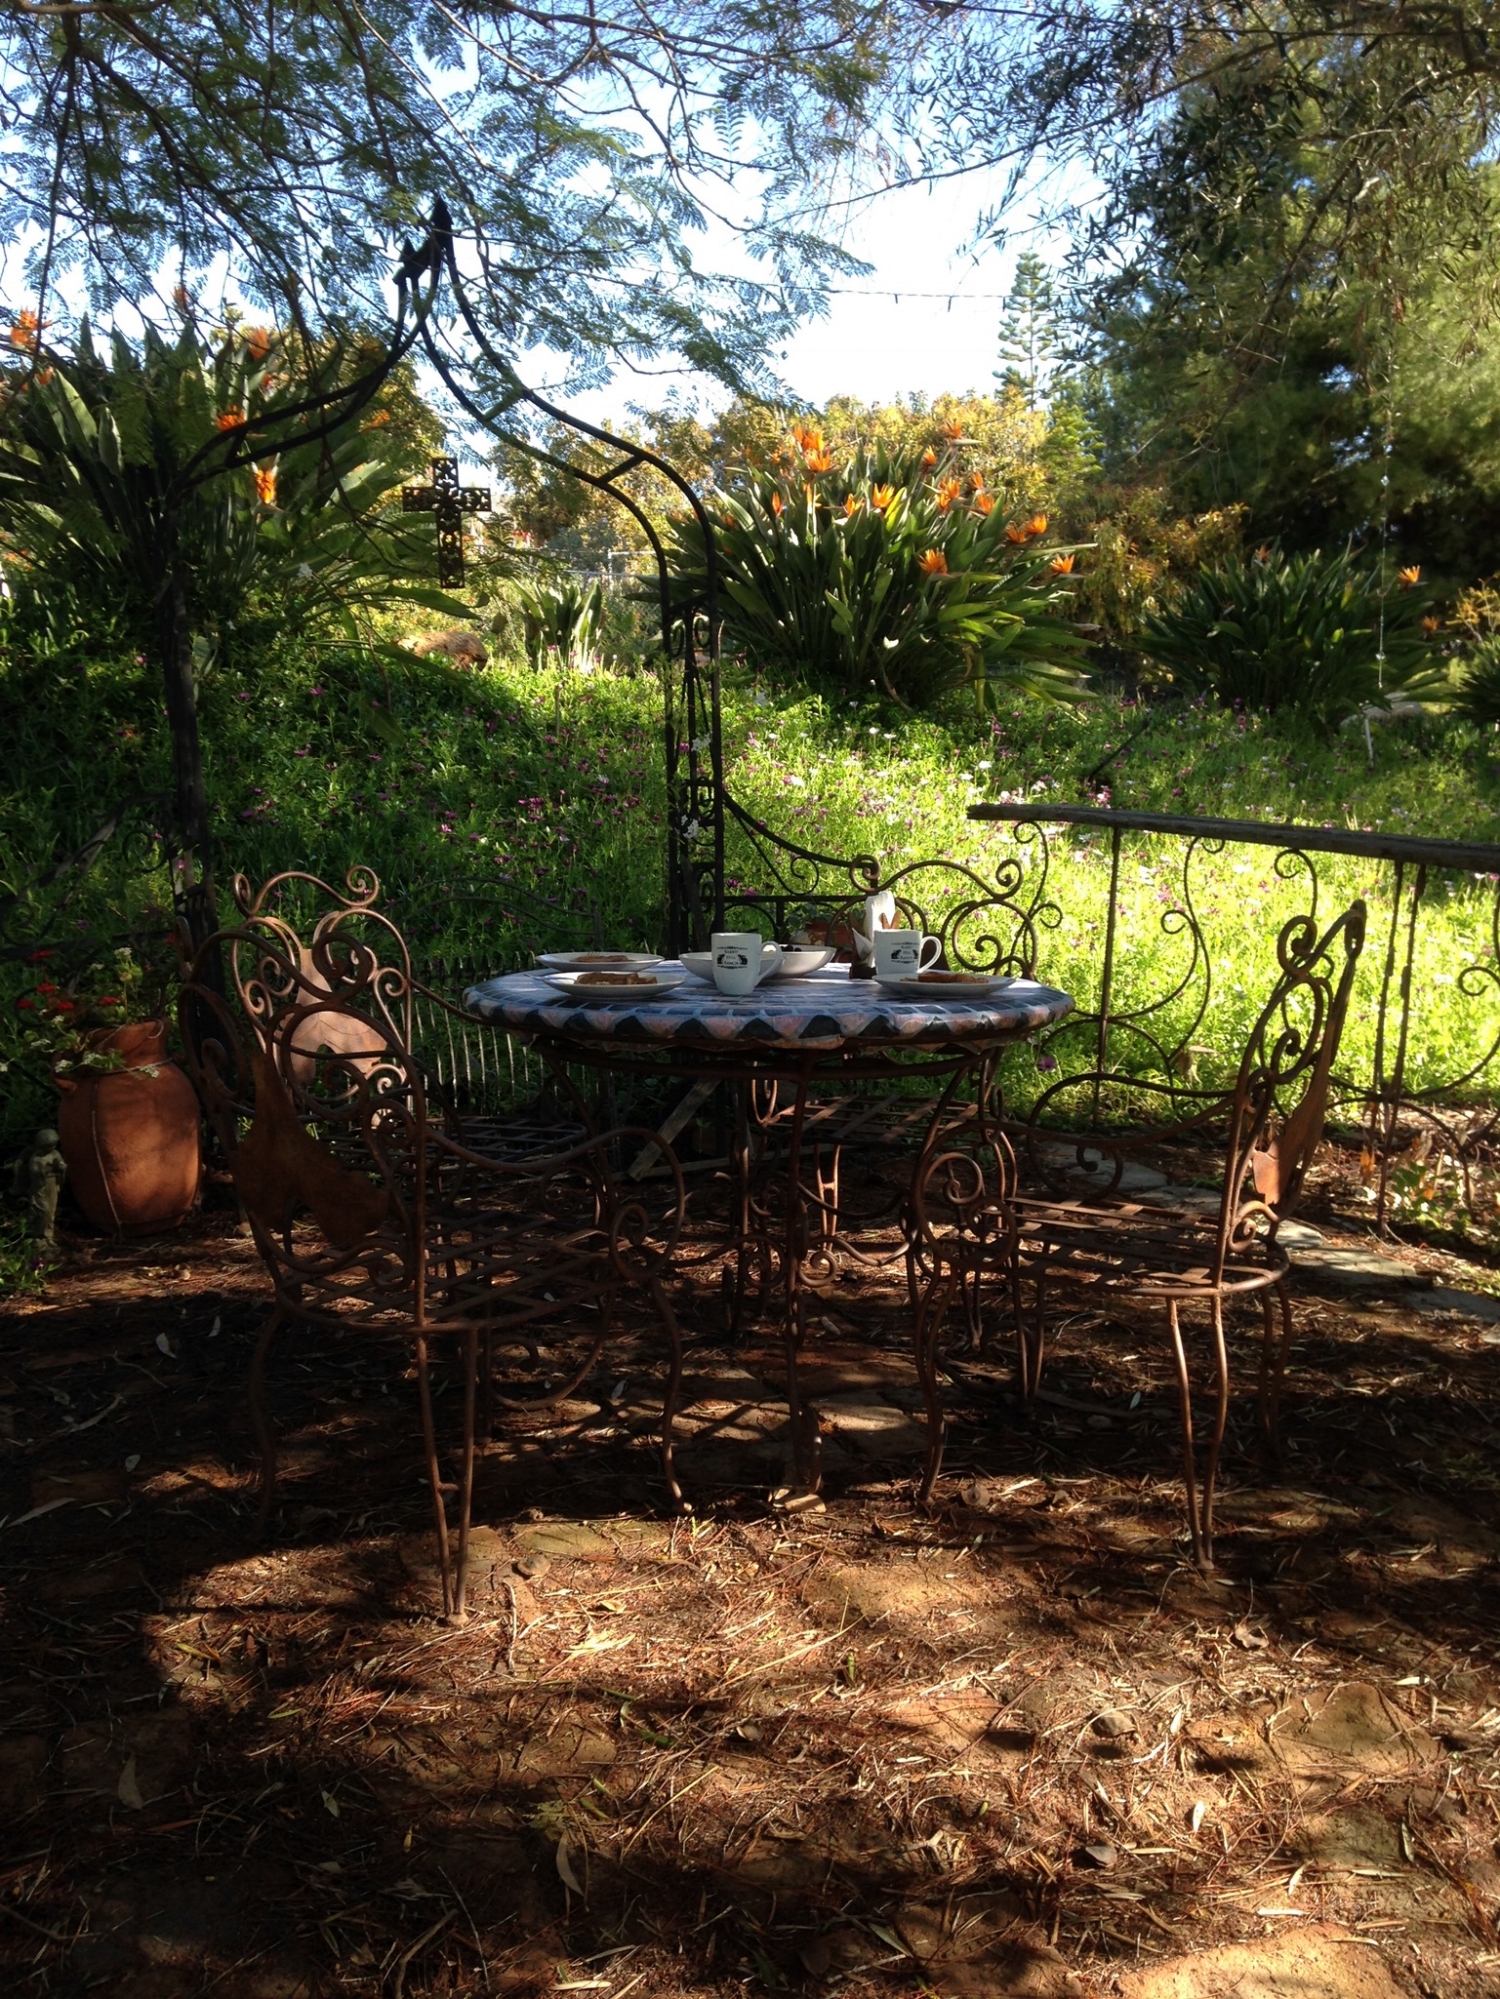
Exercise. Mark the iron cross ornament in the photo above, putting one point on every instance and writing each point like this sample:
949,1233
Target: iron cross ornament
448,503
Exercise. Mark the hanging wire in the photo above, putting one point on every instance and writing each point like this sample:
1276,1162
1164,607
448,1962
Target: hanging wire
1385,535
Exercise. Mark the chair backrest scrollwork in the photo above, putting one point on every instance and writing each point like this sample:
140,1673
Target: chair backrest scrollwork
1271,1116
319,1110
1280,1097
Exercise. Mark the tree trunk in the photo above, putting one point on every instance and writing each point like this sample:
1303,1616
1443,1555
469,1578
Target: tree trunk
192,867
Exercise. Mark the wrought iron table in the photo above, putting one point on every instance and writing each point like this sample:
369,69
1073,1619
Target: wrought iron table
775,1046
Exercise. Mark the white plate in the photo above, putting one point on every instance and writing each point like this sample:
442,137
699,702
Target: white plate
604,961
662,978
976,987
797,960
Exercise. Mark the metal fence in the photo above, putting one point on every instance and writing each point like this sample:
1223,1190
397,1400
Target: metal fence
1156,923
1422,1078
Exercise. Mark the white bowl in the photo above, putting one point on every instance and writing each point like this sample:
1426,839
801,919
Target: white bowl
797,960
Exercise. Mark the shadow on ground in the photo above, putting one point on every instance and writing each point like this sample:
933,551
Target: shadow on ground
1011,1746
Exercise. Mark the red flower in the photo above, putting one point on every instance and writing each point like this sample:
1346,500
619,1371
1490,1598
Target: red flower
45,988
26,1005
37,957
64,1006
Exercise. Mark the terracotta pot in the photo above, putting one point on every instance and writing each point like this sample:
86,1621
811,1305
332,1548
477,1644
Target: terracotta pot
130,1136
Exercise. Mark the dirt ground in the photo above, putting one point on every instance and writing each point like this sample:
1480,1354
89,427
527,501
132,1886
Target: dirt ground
1010,1746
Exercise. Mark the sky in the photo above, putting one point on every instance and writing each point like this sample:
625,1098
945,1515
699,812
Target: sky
926,319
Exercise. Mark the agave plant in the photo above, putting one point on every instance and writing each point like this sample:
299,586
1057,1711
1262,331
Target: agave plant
118,472
561,616
1314,633
896,570
1478,694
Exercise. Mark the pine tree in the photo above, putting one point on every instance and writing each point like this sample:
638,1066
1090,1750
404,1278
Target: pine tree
1030,331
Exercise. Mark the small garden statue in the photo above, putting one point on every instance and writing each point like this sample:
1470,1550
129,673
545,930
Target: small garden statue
40,1174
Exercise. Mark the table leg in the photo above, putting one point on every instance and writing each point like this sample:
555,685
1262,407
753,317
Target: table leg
807,1454
984,1122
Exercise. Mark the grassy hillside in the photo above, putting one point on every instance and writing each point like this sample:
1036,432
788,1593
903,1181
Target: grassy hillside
478,796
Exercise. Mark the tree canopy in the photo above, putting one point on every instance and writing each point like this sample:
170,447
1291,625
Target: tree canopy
582,151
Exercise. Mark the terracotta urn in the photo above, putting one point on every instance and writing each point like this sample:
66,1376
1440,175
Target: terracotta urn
130,1136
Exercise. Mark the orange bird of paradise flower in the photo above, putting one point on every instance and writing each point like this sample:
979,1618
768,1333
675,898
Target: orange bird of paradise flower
1036,525
376,419
929,457
984,503
229,419
257,342
265,485
851,505
807,437
819,461
881,497
778,505
1061,565
953,430
932,562
1431,624
948,492
1409,578
25,331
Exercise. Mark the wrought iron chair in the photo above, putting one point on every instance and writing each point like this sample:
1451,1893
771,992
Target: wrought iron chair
1086,1235
372,1218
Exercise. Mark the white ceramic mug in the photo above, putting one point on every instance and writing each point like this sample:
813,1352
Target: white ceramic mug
741,961
902,954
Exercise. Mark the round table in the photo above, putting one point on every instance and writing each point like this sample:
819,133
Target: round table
792,1034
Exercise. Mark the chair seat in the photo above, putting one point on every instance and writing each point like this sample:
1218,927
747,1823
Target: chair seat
1151,1250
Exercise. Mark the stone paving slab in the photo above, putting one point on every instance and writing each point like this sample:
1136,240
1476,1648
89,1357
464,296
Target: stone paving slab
872,1427
1464,1304
1354,1269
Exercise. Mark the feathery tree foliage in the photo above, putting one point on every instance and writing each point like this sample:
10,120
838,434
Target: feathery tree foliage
580,150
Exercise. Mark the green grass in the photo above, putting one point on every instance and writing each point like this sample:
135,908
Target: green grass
497,807
856,783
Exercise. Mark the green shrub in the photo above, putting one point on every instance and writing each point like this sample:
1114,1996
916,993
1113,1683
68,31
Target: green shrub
1304,632
891,570
562,620
1478,696
117,470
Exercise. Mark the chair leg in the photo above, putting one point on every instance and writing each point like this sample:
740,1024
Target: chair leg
260,1416
466,1471
434,1475
673,1391
1185,1412
929,1324
1200,1489
1031,1339
1216,1440
1273,1357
